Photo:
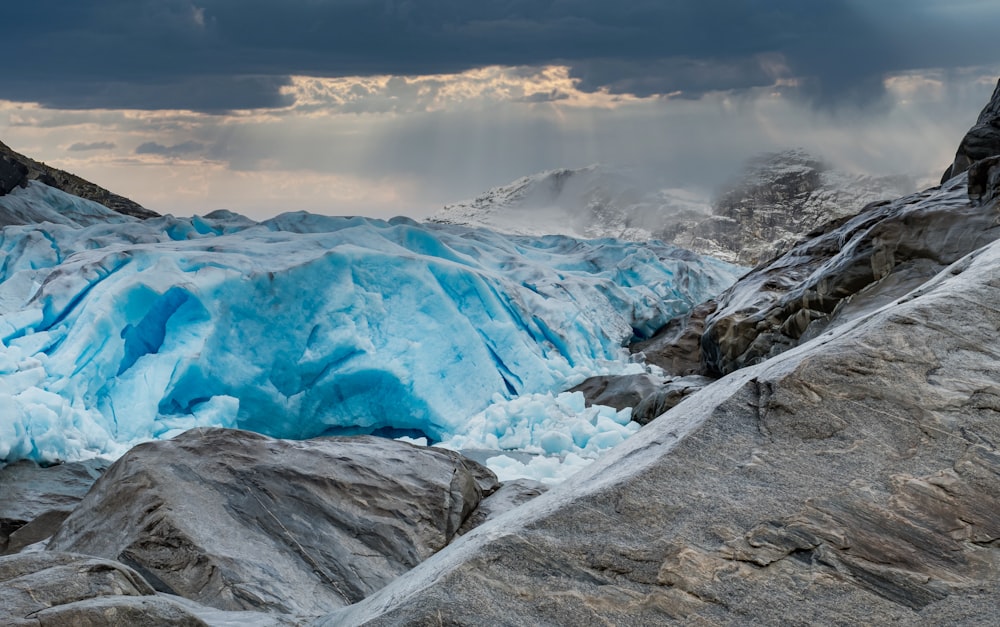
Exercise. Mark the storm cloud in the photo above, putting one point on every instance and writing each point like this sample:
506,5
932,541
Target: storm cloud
220,55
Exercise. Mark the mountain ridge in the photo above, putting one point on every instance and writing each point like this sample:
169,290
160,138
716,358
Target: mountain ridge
17,170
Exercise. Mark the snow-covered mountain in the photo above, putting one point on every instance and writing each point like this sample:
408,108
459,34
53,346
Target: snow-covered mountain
18,172
592,202
126,330
778,198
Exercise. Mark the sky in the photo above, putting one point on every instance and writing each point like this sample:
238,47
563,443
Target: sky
397,107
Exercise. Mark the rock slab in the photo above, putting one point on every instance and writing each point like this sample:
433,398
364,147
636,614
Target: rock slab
239,521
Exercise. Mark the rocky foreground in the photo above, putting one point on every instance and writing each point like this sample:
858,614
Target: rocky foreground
843,470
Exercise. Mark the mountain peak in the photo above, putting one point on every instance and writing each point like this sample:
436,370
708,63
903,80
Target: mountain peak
17,170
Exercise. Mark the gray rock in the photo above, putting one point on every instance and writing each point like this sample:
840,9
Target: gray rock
30,169
118,611
35,581
13,174
853,480
846,270
667,396
676,348
776,200
510,495
981,142
239,521
34,500
618,391
984,180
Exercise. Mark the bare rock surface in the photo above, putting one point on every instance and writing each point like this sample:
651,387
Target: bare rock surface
854,479
59,589
618,391
34,500
982,140
852,267
778,198
239,521
511,494
676,347
667,396
16,170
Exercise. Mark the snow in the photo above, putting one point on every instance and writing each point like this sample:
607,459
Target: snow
305,325
595,201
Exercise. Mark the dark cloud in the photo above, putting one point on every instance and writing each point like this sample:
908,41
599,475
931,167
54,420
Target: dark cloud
177,150
215,55
85,147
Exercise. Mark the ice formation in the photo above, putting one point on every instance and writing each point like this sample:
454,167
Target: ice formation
303,325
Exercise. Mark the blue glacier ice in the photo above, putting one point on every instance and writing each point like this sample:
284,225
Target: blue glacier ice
303,325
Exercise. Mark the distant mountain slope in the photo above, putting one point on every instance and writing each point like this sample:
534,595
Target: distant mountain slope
778,198
596,201
17,170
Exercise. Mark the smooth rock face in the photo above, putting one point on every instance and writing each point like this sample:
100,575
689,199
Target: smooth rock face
617,391
34,500
510,495
852,480
32,583
667,396
239,521
982,140
852,267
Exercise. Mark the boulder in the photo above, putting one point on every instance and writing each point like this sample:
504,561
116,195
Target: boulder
240,521
34,500
618,391
510,495
981,142
50,589
853,480
667,396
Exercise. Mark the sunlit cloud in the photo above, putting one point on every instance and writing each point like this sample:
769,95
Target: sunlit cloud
387,145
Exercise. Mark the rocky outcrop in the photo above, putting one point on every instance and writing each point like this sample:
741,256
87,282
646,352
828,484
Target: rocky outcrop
982,140
618,391
849,269
35,500
239,521
667,396
58,589
676,347
853,480
16,170
778,198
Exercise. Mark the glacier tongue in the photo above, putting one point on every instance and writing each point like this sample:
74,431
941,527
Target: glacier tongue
303,325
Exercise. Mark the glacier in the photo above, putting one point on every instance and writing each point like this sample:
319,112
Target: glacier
304,325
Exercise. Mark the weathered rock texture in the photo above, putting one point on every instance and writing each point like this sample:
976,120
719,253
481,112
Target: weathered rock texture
16,170
982,140
60,589
35,500
852,480
847,269
676,348
239,521
778,198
